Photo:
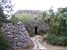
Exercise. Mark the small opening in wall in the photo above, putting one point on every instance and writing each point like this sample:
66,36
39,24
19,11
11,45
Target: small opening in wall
36,30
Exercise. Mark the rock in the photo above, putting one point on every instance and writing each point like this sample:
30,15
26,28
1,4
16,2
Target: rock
17,35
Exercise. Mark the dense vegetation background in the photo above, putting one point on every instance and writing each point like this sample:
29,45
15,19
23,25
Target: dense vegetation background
57,22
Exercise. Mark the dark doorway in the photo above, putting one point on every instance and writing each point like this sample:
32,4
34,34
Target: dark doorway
36,30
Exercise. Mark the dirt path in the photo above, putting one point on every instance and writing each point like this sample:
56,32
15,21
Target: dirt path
37,43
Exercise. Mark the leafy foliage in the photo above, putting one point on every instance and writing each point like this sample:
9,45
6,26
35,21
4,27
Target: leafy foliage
3,43
2,17
57,22
59,40
7,6
14,19
24,17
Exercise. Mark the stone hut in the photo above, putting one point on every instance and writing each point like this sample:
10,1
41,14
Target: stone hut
17,35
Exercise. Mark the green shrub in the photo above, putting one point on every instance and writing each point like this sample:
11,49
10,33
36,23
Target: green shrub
57,40
3,43
57,22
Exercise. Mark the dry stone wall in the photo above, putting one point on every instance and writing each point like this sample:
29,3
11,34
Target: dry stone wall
17,35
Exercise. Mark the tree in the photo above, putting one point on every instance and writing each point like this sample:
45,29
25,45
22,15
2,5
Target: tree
57,34
3,43
7,7
2,17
